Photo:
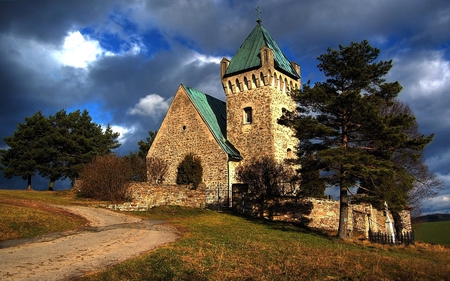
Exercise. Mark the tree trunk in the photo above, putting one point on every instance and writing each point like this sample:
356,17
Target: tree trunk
51,185
343,213
29,183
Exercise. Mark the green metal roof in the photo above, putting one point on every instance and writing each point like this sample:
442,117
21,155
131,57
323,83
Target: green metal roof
213,112
248,57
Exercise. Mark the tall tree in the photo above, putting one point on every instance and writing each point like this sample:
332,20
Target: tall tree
342,129
27,148
87,140
54,164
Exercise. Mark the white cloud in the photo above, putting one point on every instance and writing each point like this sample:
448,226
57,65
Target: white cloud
79,50
202,59
124,132
151,105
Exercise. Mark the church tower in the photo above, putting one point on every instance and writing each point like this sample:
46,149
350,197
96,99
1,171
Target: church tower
257,82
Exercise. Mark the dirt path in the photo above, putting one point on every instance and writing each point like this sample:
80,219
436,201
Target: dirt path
111,238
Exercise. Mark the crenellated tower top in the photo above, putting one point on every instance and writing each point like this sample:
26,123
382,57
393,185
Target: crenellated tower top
259,62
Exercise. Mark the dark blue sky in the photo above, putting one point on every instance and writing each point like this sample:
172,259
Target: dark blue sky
124,60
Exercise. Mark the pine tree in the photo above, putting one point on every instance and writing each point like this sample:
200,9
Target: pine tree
344,133
56,147
27,148
144,146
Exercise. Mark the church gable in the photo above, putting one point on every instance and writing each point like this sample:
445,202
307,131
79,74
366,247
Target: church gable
213,112
185,129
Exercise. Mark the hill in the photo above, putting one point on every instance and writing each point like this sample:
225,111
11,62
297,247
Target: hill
432,218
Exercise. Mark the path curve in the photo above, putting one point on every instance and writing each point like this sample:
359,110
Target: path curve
109,239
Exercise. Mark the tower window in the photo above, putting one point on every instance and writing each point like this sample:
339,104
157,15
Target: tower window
248,115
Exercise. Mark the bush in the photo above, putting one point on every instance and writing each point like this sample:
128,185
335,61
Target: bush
190,171
156,169
264,176
106,178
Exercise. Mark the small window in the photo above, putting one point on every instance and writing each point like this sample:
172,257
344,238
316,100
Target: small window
247,115
184,128
289,153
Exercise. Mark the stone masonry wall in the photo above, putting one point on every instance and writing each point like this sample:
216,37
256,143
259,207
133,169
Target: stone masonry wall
145,196
315,213
183,131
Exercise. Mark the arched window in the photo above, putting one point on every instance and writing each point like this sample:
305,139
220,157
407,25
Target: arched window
248,118
246,85
254,84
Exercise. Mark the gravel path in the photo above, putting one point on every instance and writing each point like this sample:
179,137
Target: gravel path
109,239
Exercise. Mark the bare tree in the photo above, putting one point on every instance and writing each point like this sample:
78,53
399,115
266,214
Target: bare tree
106,178
156,169
264,176
426,183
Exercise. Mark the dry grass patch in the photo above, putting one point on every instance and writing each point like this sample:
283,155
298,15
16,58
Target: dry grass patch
26,214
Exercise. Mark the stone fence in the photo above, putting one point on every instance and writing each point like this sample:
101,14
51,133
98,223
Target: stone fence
315,213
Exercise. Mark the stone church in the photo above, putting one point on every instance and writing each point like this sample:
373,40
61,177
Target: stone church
223,135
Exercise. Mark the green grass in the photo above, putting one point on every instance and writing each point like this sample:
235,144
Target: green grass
433,233
222,246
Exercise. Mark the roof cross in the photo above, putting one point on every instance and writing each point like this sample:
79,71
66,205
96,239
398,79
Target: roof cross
259,15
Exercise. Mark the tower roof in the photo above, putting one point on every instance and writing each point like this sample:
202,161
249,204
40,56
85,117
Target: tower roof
213,112
248,55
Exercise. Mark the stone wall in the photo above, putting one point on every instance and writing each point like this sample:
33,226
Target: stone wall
315,213
145,196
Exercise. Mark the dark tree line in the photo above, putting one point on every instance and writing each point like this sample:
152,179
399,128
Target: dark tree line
55,147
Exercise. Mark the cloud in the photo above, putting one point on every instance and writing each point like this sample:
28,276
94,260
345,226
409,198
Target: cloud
152,105
79,50
125,132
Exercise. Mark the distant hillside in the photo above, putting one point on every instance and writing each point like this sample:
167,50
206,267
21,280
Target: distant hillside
433,218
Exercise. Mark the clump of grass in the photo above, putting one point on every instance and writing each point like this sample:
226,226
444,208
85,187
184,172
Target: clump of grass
222,246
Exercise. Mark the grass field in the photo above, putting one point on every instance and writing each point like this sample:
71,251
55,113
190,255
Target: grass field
224,246
433,232
26,214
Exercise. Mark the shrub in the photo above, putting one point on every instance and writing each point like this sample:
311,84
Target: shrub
106,178
190,171
264,176
156,169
